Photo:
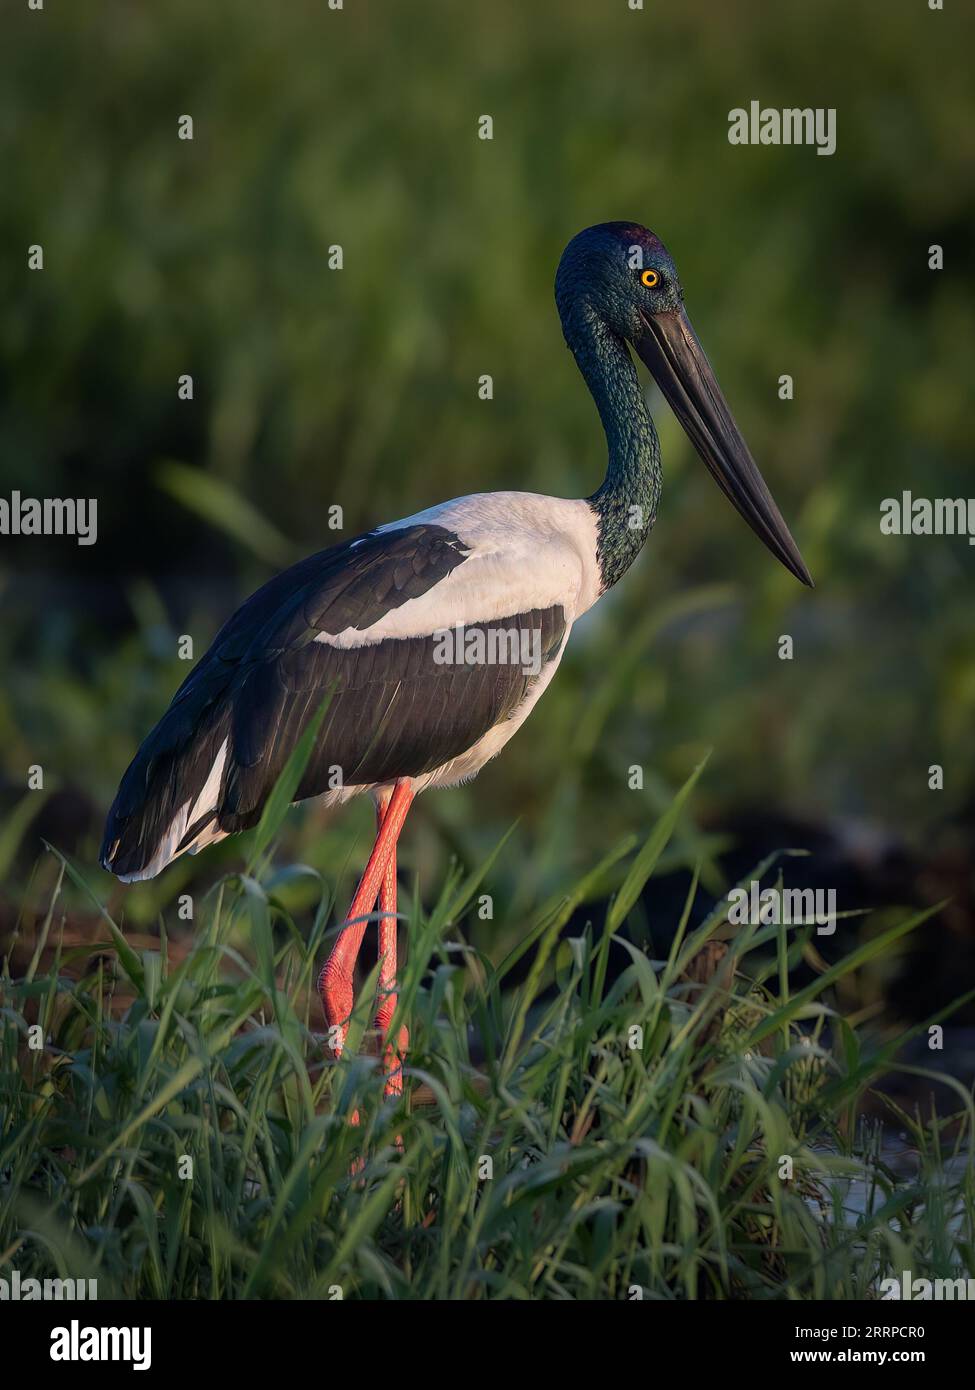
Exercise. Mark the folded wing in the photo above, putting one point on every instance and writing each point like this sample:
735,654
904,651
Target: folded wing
314,636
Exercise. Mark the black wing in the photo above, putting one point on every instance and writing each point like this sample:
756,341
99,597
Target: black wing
393,710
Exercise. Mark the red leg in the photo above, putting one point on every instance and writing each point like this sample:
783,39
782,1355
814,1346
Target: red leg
336,982
393,1055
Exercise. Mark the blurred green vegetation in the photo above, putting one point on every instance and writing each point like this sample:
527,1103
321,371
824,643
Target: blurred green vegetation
359,388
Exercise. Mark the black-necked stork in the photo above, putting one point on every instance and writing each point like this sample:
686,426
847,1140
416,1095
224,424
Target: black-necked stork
429,640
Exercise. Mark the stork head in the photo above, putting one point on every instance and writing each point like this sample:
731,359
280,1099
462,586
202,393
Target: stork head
622,276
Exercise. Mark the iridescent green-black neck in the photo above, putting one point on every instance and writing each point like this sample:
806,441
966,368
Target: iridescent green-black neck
626,502
599,295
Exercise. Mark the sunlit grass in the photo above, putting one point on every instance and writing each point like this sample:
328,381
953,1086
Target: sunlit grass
576,1136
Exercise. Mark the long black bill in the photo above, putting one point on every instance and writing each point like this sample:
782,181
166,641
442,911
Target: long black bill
673,354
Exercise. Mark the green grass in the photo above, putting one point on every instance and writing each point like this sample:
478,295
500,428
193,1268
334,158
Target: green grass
635,1128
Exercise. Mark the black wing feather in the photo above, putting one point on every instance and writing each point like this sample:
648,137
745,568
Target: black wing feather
392,710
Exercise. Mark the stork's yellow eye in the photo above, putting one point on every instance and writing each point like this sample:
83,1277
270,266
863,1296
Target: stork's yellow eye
650,278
